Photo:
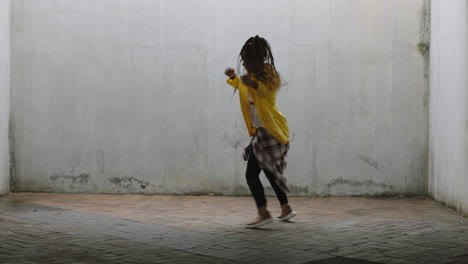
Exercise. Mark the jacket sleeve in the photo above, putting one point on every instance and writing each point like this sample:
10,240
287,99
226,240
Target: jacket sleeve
261,90
244,102
234,82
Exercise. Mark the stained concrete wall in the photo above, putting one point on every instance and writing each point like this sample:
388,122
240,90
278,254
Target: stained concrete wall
448,163
4,95
129,96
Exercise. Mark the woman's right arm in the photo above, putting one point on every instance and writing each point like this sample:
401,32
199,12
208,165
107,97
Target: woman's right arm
233,79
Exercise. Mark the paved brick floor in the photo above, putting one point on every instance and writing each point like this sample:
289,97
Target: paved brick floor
76,228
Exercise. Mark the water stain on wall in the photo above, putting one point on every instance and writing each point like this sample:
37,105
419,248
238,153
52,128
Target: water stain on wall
425,34
82,178
128,182
240,190
233,141
294,189
366,185
424,45
371,162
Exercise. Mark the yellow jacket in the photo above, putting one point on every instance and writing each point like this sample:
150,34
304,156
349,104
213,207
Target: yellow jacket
264,99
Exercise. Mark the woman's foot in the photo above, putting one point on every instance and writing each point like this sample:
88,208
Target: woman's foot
286,213
263,218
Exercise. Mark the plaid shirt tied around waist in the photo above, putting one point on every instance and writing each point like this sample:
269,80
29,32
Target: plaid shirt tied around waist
270,154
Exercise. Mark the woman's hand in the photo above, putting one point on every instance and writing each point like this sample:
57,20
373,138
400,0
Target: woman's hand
247,80
230,73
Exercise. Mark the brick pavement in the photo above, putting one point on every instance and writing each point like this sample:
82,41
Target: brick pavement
79,228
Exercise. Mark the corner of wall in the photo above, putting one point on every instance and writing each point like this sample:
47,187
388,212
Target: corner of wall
448,118
5,87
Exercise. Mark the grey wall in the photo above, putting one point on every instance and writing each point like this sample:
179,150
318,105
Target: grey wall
110,95
4,95
448,173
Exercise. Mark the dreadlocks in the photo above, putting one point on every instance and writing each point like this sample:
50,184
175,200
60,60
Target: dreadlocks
257,53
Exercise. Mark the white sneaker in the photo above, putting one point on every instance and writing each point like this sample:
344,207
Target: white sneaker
286,213
263,218
287,217
258,223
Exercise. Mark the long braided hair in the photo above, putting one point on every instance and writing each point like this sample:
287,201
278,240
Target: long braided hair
257,52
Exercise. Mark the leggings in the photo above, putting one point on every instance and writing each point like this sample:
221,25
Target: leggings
256,188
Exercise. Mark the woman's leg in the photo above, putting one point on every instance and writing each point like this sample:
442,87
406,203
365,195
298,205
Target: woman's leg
280,194
253,180
286,211
256,188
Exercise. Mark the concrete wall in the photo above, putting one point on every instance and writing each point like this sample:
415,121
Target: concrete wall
115,95
448,173
4,95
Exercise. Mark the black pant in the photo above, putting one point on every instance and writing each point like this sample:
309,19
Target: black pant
256,188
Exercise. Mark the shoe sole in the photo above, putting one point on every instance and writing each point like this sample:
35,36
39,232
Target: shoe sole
264,222
286,218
